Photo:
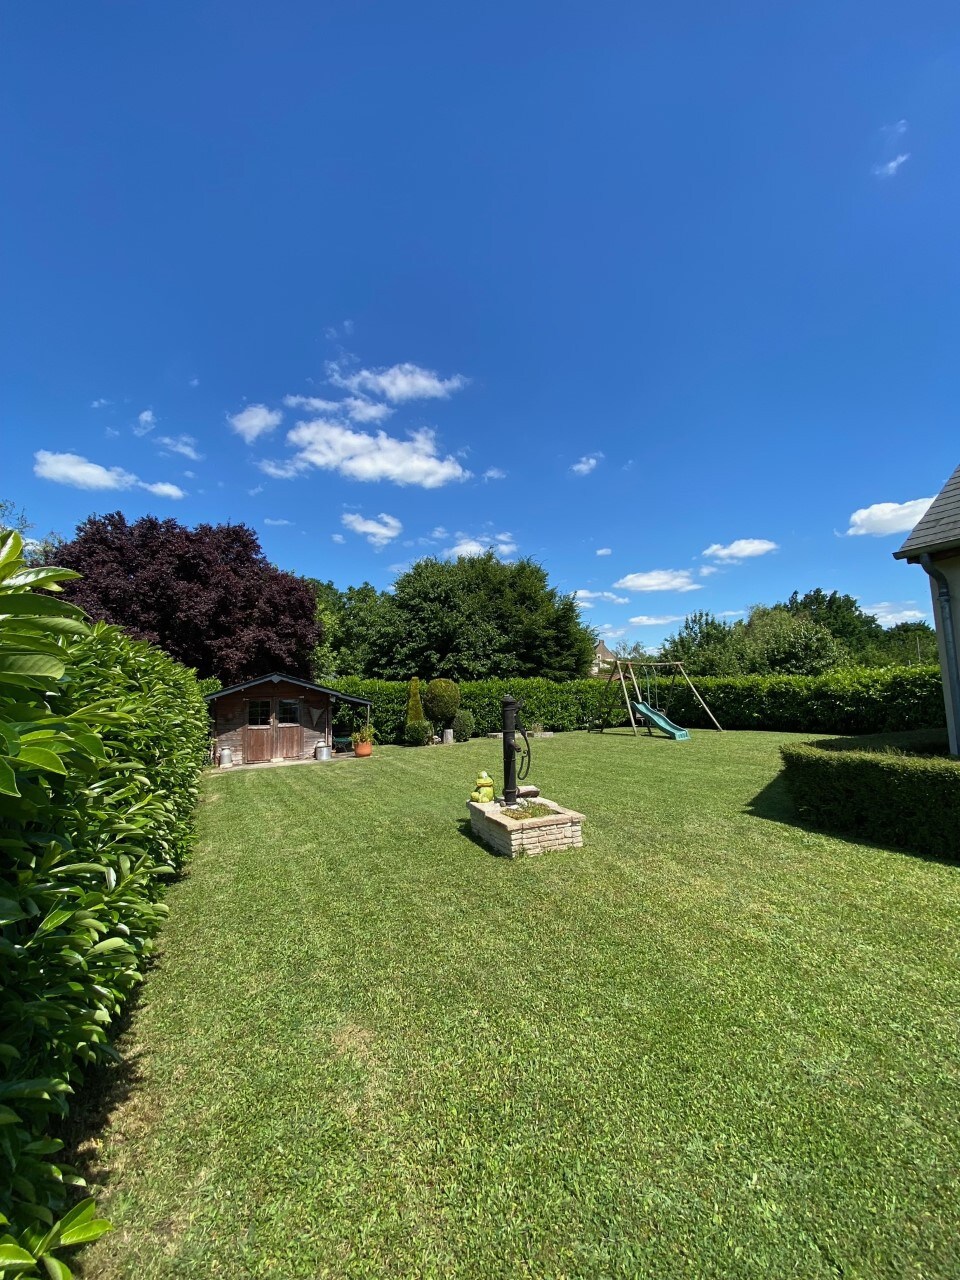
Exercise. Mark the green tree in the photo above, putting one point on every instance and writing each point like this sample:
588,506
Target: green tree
778,642
706,645
908,644
842,616
475,618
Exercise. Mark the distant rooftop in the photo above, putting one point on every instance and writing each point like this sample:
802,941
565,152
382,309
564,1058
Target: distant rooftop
939,529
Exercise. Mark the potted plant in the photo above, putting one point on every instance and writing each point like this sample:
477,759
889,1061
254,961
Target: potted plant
363,740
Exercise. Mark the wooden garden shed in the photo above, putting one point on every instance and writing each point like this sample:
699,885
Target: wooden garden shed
275,717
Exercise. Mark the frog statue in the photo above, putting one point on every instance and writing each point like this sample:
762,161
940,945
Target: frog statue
484,789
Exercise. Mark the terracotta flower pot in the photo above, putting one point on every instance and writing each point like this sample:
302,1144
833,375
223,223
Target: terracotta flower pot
363,749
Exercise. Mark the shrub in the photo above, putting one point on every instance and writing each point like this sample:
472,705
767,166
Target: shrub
441,698
418,733
104,739
463,726
414,705
895,799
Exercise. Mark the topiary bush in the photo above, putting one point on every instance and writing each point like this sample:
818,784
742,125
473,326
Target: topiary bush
103,740
414,705
463,726
441,698
418,733
911,801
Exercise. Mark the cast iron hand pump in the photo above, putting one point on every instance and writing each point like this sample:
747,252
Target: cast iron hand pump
512,724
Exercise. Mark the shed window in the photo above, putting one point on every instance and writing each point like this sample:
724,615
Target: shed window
288,711
258,711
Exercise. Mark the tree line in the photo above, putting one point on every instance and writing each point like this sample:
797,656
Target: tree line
804,635
212,600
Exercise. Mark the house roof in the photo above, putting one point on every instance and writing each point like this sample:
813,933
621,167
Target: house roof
275,677
939,528
601,651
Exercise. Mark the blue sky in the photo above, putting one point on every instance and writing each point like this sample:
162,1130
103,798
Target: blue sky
660,296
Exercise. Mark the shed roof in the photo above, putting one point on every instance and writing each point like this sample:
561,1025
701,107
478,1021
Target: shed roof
939,528
275,677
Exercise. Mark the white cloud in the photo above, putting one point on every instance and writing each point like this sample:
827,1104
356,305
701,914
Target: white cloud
397,384
80,473
502,544
659,580
337,537
889,613
162,489
655,619
887,517
185,445
283,470
741,549
604,551
255,490
583,594
313,404
608,632
331,446
359,409
705,570
586,464
378,532
891,167
71,469
254,421
194,382
146,421
276,524
494,473
732,613
99,404
439,533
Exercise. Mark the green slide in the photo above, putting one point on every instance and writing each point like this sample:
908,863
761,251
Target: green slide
660,720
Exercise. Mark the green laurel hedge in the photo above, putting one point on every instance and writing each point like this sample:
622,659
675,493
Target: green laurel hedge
101,744
912,801
847,701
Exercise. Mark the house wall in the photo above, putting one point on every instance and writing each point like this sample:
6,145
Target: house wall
229,715
950,568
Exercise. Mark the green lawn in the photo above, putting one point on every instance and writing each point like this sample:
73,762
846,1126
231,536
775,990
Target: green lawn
709,1043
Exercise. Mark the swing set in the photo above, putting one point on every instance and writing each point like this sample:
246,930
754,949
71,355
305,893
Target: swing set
647,711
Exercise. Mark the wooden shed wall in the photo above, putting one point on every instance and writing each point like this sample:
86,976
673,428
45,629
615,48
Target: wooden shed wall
229,715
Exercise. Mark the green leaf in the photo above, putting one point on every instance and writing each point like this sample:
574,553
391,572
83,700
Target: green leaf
30,664
84,1232
110,944
33,605
47,577
56,1269
41,758
11,1255
8,779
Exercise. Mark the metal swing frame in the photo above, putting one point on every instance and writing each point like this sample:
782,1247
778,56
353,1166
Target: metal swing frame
623,667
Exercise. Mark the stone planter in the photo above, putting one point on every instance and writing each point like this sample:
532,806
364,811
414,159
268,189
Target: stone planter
563,829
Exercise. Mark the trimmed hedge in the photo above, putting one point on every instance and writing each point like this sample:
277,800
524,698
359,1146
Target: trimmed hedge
887,797
848,701
103,739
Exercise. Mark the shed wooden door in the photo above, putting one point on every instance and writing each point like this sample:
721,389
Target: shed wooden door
289,729
259,732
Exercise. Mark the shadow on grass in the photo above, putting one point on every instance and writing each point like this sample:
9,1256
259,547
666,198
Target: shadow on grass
104,1090
775,804
467,831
